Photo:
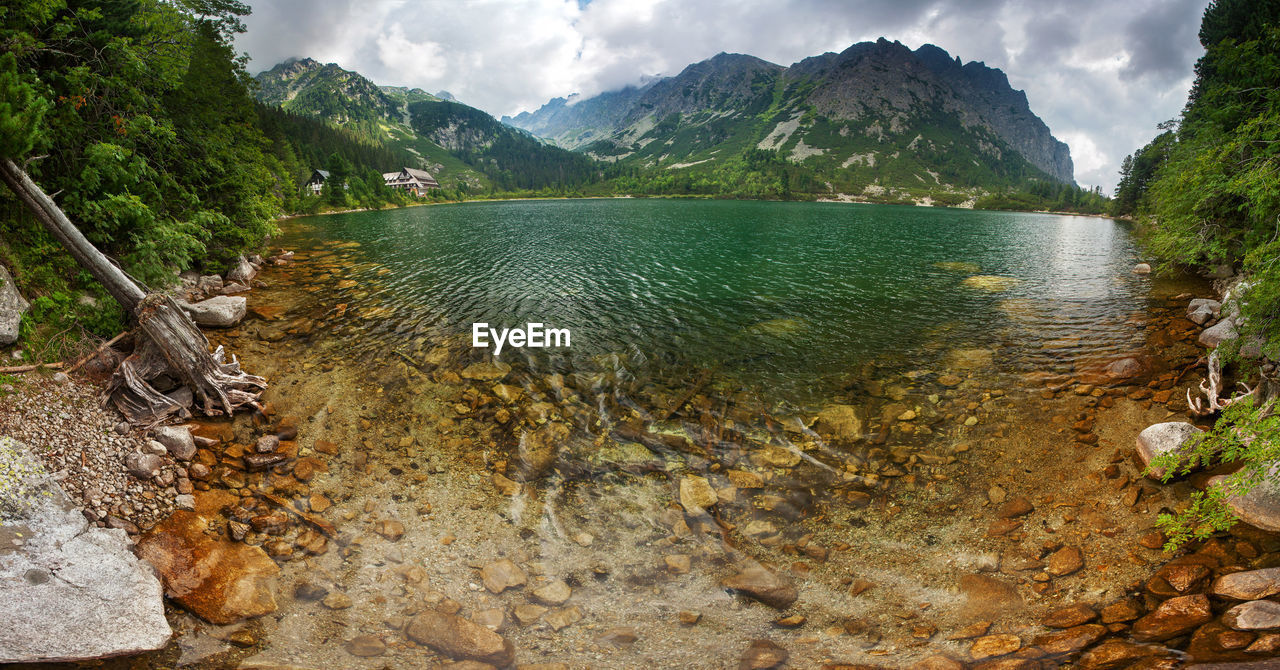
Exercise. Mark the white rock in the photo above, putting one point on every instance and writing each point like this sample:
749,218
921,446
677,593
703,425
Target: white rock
220,312
1260,507
177,440
1202,310
74,592
242,272
1253,615
1142,269
1220,332
1163,438
12,307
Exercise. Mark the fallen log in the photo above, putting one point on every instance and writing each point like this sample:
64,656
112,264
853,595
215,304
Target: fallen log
170,343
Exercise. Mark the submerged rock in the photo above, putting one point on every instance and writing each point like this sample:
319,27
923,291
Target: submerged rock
991,283
696,494
759,583
486,372
1172,618
1253,615
71,592
762,655
218,580
1163,438
219,312
12,307
456,637
840,422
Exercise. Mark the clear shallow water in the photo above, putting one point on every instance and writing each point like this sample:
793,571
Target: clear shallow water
793,297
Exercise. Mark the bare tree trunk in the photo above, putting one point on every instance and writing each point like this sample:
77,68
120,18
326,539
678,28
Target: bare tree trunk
171,345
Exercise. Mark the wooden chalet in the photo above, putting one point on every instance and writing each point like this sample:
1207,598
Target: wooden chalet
315,184
417,182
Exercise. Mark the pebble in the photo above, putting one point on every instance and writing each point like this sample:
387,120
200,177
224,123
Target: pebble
1065,561
562,618
762,655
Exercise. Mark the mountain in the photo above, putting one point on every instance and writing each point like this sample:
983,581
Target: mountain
877,113
458,144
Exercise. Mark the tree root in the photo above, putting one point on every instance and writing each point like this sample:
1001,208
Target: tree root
172,345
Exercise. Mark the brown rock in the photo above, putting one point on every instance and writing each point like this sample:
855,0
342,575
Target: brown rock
1070,640
618,636
456,637
677,564
1215,643
528,613
988,597
308,467
1125,610
762,655
1018,506
1115,654
218,580
1183,577
1070,617
696,494
502,575
937,662
1172,618
563,617
365,646
553,594
777,591
1065,561
745,480
1003,527
389,528
994,645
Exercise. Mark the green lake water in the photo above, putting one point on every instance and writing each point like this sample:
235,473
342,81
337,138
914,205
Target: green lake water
789,297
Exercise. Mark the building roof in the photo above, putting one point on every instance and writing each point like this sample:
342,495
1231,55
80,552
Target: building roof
421,175
323,173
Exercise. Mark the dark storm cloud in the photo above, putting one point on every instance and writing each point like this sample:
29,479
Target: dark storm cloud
1161,39
1101,74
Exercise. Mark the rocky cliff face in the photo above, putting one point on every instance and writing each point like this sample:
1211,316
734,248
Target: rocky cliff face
873,103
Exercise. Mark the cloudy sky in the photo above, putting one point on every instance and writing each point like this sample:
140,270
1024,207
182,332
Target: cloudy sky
1100,73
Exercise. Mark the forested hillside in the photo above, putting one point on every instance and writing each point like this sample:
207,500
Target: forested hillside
1207,194
137,117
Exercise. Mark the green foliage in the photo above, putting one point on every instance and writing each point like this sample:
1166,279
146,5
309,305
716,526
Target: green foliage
1213,199
1246,433
21,110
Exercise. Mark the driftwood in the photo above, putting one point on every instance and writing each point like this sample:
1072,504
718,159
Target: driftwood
171,344
29,368
320,524
1212,389
80,363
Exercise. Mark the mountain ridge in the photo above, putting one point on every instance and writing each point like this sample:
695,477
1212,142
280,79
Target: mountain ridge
905,90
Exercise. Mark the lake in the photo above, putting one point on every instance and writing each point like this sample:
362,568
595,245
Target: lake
854,430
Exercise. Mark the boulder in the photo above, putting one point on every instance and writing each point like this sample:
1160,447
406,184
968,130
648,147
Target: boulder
1142,269
12,307
242,272
219,580
177,440
759,583
72,592
456,637
1254,615
1260,507
1248,585
1218,333
1164,438
1203,310
219,312
840,422
1124,368
1174,617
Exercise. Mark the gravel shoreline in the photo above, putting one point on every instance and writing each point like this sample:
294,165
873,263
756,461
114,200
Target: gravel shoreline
78,441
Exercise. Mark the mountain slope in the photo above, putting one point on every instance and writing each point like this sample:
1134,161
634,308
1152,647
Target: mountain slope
876,113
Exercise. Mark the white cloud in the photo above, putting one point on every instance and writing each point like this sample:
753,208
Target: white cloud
1101,74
